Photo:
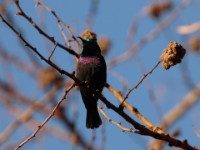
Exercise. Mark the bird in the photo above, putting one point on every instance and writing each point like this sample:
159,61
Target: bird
91,69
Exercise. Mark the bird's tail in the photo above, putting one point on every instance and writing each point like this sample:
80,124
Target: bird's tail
93,119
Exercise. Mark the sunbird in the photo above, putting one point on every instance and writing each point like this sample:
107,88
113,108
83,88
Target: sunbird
91,70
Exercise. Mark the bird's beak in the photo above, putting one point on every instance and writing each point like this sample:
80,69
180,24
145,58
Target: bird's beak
83,40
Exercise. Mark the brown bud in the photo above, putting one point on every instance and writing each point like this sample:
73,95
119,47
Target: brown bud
194,44
89,34
47,77
104,44
172,55
157,9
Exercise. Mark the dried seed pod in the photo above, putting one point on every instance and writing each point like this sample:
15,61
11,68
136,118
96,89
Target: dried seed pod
157,9
88,34
154,10
104,44
194,44
47,77
172,55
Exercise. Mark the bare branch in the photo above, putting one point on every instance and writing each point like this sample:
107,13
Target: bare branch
142,130
47,119
22,13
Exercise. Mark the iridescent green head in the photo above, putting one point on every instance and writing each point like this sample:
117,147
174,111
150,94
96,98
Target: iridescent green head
90,47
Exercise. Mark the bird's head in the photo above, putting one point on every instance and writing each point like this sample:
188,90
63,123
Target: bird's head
90,47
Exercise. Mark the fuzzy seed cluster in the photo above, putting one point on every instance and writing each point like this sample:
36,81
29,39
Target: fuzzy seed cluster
172,55
89,34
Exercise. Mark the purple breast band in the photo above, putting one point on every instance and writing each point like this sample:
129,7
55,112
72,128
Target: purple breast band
88,60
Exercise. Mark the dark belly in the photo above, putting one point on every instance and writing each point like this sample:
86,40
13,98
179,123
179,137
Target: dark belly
93,74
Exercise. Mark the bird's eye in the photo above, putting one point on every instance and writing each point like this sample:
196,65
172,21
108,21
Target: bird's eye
88,39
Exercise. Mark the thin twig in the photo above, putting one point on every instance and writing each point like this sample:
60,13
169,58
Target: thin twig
30,20
124,129
144,76
47,119
49,58
59,20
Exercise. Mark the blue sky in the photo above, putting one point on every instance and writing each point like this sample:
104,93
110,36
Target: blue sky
113,19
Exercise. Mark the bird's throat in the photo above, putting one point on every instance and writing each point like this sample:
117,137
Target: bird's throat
89,60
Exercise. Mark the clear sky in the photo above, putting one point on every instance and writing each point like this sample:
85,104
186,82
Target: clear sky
112,19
